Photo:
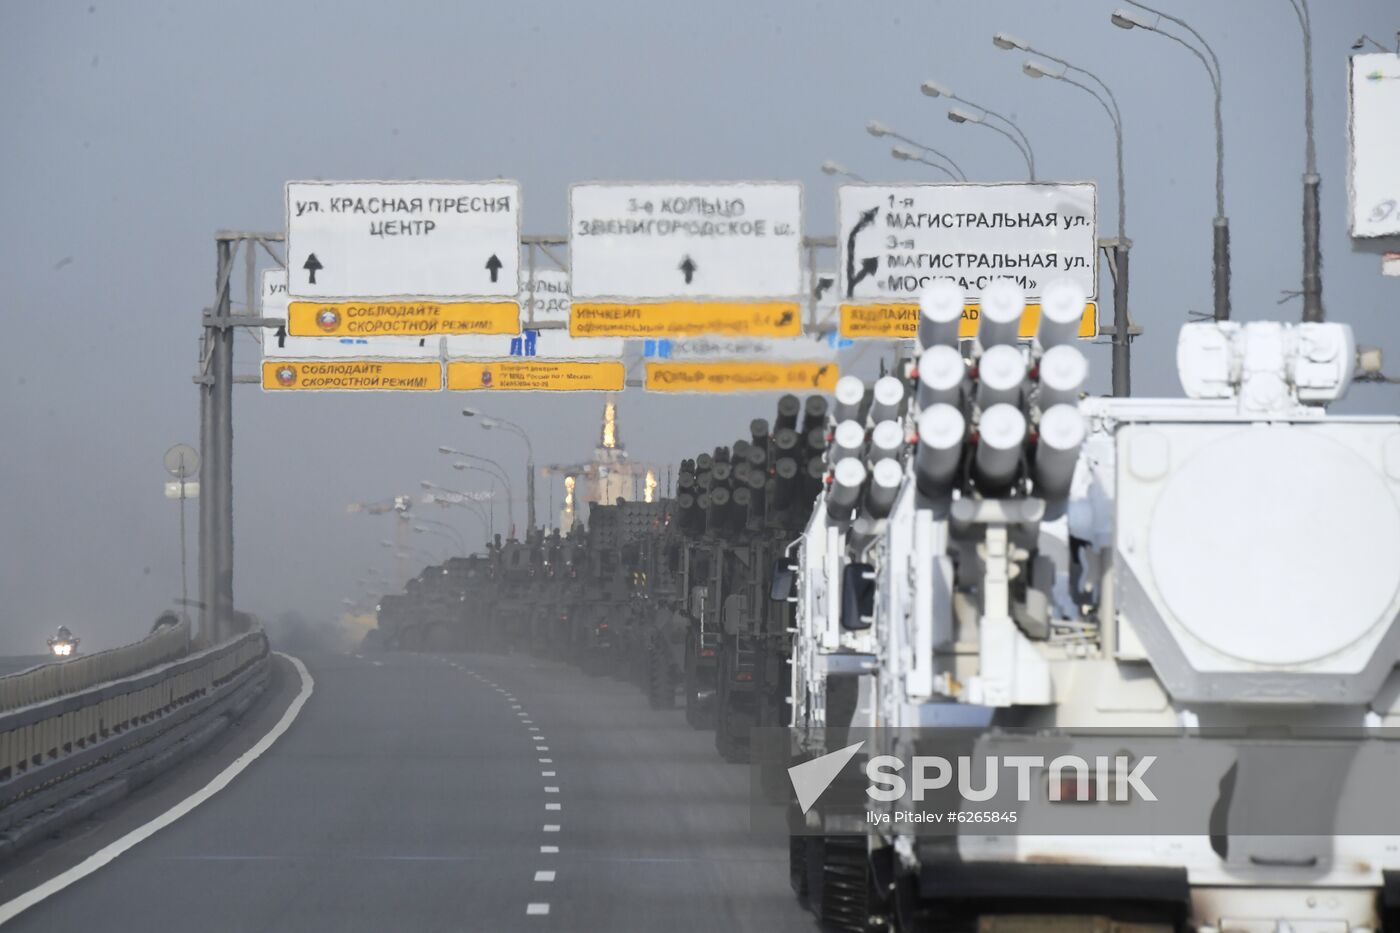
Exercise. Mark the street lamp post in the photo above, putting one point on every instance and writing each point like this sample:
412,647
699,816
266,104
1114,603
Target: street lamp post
443,529
1020,140
493,422
909,155
836,168
1122,376
465,500
1312,182
499,474
877,129
496,481
1129,19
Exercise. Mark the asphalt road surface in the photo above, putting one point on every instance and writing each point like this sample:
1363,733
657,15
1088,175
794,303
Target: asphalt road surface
439,793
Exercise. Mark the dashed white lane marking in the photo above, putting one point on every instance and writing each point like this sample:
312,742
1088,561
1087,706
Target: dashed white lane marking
546,761
377,663
547,773
544,876
554,806
551,827
13,908
536,910
549,850
550,790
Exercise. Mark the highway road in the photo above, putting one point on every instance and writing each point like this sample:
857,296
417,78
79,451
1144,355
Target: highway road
439,793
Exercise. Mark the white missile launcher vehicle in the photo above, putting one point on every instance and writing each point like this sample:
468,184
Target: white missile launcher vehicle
1013,555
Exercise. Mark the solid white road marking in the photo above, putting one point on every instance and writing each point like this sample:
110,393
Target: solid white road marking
536,910
544,876
13,908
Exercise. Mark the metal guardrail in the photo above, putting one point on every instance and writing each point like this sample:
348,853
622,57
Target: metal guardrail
75,674
65,755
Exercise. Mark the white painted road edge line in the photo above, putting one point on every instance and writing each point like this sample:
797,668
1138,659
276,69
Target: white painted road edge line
13,908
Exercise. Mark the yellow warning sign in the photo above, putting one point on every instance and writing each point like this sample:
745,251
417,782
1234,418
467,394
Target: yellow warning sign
401,318
536,376
351,375
899,320
741,377
685,319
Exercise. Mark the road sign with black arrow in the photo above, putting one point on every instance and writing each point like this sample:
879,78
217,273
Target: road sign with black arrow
312,265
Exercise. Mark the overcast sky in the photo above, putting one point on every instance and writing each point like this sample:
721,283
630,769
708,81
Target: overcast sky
132,131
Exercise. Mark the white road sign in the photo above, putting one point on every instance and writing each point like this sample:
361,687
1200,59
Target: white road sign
685,241
278,345
895,239
1375,145
547,298
399,239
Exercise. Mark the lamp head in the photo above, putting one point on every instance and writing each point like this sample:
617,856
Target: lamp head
958,115
1005,41
832,168
1128,19
876,128
902,154
934,89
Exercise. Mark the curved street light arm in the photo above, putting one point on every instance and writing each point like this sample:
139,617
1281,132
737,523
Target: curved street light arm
1118,140
1025,144
1214,65
1030,161
915,157
957,173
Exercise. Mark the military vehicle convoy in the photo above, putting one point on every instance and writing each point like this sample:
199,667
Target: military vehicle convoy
969,540
993,551
739,509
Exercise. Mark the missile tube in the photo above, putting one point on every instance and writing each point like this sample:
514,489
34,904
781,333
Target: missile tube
1001,433
941,432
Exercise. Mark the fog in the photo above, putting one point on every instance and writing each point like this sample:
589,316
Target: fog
134,131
